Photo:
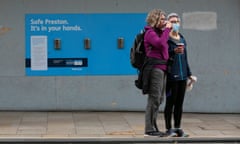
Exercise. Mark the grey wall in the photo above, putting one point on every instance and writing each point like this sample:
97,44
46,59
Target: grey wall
213,55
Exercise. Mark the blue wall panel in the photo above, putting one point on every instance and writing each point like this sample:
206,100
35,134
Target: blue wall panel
103,58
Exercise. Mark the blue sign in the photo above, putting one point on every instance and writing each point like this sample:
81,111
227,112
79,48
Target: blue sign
80,44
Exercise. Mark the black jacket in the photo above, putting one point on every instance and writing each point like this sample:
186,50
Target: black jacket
144,75
179,68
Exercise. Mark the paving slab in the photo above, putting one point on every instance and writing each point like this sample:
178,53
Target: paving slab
121,126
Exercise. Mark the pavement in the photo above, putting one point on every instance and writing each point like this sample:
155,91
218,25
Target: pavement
107,126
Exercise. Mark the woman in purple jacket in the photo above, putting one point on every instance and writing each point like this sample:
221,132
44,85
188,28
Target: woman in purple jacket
156,47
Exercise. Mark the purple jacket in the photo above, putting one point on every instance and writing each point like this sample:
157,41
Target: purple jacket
158,43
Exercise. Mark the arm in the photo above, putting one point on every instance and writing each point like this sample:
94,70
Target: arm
158,41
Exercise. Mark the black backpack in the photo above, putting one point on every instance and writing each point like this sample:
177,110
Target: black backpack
137,52
139,60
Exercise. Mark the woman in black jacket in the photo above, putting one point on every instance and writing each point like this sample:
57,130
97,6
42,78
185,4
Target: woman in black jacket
177,77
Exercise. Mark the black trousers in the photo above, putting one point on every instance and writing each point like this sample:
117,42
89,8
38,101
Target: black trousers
174,102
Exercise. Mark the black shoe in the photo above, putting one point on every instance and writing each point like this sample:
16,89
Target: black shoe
180,133
154,134
171,133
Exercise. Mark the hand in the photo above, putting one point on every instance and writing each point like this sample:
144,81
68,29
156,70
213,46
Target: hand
193,78
190,77
179,50
168,24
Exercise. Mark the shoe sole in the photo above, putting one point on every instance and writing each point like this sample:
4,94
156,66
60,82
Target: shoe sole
185,136
145,135
150,136
172,136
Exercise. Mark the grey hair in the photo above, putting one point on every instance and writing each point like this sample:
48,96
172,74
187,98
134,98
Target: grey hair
173,15
154,17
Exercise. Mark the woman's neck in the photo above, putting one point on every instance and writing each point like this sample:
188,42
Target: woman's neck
175,35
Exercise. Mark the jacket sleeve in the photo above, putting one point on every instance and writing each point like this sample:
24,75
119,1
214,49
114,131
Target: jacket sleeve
171,48
189,73
155,40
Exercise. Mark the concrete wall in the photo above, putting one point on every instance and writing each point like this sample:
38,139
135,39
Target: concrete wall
213,55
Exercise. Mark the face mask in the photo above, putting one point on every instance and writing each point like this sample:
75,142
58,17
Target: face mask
176,27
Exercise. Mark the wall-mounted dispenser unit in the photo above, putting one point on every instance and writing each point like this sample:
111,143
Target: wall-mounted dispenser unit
87,43
120,42
57,44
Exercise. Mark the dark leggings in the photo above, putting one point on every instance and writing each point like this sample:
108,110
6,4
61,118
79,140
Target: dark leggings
174,103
